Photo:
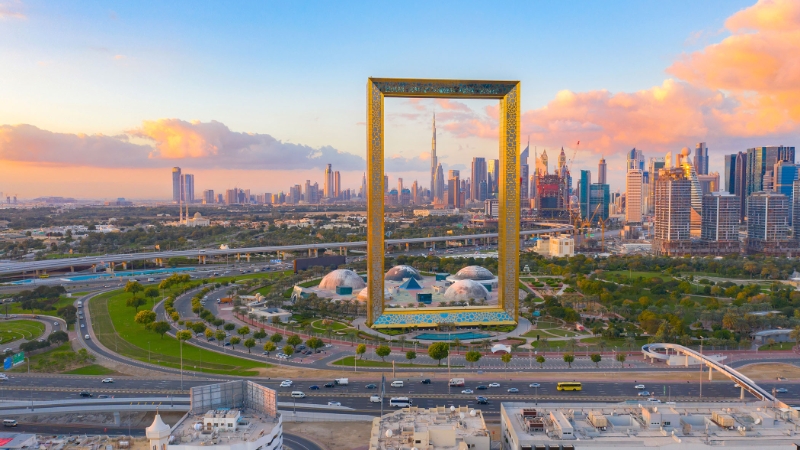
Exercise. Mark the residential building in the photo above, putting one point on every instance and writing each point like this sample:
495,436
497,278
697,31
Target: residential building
454,189
795,216
479,174
655,165
720,222
740,183
208,196
491,208
177,189
768,224
633,195
524,172
761,159
231,196
672,224
709,182
439,183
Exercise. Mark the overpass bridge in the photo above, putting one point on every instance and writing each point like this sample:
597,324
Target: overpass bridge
202,254
746,384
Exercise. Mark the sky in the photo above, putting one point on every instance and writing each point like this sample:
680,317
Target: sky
101,99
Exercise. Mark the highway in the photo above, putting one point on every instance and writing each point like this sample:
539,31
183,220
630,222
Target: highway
32,266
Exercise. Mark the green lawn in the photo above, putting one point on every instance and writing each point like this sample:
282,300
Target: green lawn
110,316
335,326
348,361
57,360
545,325
778,346
263,291
92,369
634,274
15,308
561,333
20,329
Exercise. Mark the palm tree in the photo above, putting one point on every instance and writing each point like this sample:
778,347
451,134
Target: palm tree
795,334
572,342
630,342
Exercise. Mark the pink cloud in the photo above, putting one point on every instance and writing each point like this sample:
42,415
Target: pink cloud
451,105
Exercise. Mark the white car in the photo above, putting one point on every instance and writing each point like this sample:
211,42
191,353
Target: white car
494,385
108,380
286,383
3,376
467,391
653,400
534,385
639,386
334,404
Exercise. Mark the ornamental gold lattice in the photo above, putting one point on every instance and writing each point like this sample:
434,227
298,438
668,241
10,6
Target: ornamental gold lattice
508,92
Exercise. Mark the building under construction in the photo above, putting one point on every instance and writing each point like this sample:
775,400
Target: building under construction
552,194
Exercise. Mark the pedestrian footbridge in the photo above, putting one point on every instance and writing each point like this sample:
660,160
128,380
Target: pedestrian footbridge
664,352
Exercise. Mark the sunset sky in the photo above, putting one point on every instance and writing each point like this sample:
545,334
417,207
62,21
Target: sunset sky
100,99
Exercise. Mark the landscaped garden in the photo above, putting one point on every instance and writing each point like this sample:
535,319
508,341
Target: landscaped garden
14,330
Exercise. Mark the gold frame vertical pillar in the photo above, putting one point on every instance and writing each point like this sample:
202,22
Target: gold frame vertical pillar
508,93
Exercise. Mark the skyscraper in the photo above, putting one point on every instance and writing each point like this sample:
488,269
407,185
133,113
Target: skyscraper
701,159
795,213
188,188
492,172
767,222
784,174
599,201
337,185
740,183
208,197
478,174
721,219
399,185
454,189
434,159
583,194
328,186
363,192
415,193
601,171
633,196
673,207
438,194
176,184
656,164
523,176
635,160
761,159
730,173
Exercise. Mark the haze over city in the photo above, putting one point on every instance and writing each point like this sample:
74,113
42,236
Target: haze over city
100,101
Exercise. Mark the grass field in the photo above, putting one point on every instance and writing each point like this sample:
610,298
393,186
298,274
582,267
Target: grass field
92,369
335,326
561,332
15,308
110,316
634,274
57,360
263,291
348,361
778,346
20,329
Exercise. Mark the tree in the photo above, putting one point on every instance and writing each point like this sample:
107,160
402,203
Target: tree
229,327
411,355
294,340
770,342
69,313
198,328
145,317
260,334
457,344
439,351
209,333
151,293
276,338
220,335
472,357
596,358
269,346
314,343
540,359
360,350
569,358
795,334
58,337
506,358
135,303
288,350
133,287
245,330
383,351
621,359
235,340
249,343
183,335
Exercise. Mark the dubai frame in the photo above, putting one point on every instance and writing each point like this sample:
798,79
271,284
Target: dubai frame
508,93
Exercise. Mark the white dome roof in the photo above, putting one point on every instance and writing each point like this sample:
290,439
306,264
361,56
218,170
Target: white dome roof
158,430
398,273
464,290
342,277
363,295
474,273
197,215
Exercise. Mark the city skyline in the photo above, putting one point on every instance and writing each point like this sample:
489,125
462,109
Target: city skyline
692,88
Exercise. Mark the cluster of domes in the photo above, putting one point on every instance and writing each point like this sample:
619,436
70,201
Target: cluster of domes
363,296
465,290
399,273
342,278
477,273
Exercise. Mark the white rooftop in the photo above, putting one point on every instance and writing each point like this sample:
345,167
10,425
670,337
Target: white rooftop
439,428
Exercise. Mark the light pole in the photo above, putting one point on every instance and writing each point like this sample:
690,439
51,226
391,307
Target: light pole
181,347
701,367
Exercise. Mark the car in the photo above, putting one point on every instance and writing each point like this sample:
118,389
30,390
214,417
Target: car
494,385
86,337
513,391
653,400
328,345
334,404
286,383
8,349
481,400
83,325
329,385
3,376
211,339
467,391
313,387
86,394
426,381
639,386
781,390
481,388
55,324
227,343
108,380
534,385
370,386
643,394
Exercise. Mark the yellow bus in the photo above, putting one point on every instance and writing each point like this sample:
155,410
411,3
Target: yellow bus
44,275
569,386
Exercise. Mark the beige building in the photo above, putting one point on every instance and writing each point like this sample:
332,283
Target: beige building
633,196
439,428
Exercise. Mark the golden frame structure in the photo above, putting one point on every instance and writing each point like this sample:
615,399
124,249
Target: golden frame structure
508,93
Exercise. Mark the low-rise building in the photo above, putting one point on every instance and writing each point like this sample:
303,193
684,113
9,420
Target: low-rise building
439,428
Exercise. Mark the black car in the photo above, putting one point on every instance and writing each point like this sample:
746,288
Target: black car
329,385
481,388
314,387
482,400
370,386
86,394
426,381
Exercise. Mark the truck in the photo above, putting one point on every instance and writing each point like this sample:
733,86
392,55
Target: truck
225,300
341,381
456,382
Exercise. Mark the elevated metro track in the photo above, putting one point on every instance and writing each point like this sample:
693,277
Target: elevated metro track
88,261
650,351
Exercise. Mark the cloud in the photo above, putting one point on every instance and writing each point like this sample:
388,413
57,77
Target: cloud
11,10
168,142
397,163
452,105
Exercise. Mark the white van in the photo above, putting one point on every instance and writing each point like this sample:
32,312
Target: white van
397,383
86,337
375,399
9,423
298,394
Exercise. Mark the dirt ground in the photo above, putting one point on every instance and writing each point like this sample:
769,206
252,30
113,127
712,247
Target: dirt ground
333,435
770,371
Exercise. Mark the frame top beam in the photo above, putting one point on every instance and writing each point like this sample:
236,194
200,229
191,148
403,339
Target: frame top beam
438,88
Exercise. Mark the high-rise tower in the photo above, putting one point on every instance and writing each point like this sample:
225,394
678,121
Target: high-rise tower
176,184
434,159
328,188
601,171
478,176
701,158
